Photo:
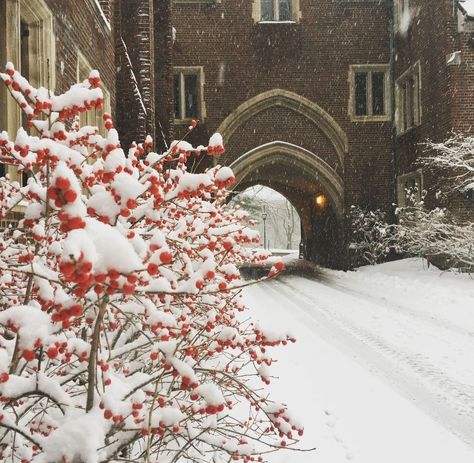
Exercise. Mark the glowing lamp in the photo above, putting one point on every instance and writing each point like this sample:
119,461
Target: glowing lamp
320,200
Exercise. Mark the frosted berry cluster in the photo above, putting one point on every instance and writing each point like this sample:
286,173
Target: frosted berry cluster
122,333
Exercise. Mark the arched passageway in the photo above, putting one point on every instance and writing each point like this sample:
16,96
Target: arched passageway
305,166
314,189
275,217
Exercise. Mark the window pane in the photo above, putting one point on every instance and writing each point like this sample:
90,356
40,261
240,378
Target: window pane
361,94
25,50
408,103
415,107
3,170
191,96
378,93
177,96
268,13
285,10
411,83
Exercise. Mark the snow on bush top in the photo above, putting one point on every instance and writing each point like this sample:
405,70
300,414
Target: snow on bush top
119,299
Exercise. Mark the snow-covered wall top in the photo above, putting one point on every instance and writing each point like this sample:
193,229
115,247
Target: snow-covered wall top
467,7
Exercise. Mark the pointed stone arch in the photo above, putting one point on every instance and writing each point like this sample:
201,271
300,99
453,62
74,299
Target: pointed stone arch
310,177
296,157
279,97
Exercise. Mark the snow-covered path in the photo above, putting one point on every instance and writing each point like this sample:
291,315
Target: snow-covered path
383,369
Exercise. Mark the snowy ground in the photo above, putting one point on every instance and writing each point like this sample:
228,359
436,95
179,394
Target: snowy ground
383,370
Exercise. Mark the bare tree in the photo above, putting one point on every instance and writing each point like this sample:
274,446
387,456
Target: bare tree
282,218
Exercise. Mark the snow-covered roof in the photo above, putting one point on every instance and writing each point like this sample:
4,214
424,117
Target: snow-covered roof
467,8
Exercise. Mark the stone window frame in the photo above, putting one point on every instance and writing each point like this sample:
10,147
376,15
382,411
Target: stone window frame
39,18
257,12
369,68
402,179
413,72
199,72
93,118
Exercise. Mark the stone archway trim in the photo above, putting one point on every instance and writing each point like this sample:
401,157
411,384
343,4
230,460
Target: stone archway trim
292,155
295,102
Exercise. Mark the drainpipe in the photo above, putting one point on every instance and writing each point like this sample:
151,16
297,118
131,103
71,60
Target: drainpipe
390,10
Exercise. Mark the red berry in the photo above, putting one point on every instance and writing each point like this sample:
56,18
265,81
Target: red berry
76,310
131,204
63,183
280,266
166,257
210,275
70,196
76,222
152,269
222,286
52,352
29,355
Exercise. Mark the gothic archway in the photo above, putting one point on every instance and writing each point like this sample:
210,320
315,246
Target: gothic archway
302,177
297,103
308,169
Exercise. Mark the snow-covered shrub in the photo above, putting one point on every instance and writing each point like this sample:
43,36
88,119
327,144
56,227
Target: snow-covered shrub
432,234
371,239
121,337
452,161
436,236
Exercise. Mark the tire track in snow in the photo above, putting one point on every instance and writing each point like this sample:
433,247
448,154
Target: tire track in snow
380,300
451,403
459,395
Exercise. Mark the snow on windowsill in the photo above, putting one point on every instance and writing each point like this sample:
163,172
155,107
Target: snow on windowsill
467,7
276,22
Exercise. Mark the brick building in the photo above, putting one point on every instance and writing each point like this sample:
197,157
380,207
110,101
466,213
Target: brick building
433,85
55,43
324,101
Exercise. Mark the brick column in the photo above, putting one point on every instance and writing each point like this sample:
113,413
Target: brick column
134,38
163,71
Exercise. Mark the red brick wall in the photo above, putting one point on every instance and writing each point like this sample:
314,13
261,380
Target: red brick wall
311,59
163,72
79,26
134,62
447,91
429,45
289,127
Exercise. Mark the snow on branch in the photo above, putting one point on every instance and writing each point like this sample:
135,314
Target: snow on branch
134,78
102,14
453,160
121,334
